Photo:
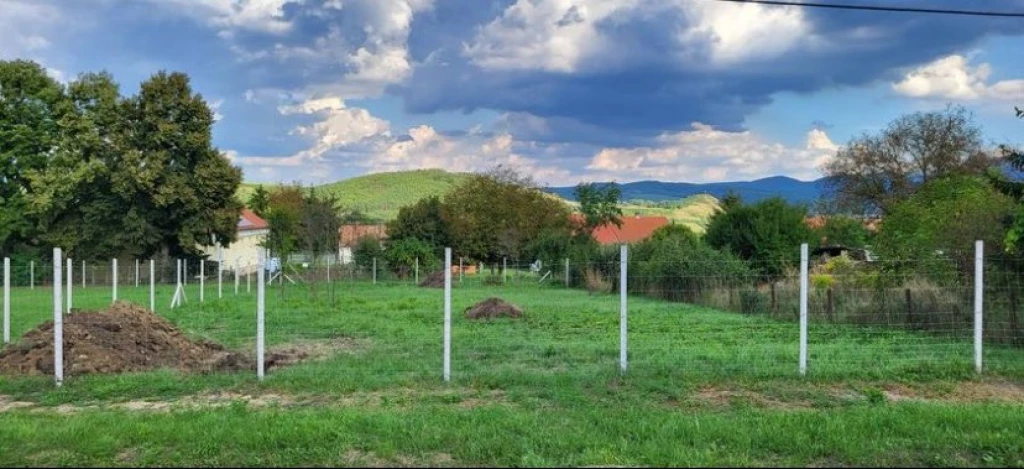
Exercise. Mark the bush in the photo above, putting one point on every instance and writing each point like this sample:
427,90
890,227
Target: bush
366,250
680,268
401,256
767,234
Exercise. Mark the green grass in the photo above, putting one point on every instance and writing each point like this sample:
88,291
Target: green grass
703,388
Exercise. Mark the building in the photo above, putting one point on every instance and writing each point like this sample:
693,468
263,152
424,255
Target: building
633,230
245,251
349,236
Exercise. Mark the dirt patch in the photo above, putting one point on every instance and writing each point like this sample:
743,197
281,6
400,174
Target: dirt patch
128,338
717,397
434,280
970,391
493,308
7,404
358,458
314,350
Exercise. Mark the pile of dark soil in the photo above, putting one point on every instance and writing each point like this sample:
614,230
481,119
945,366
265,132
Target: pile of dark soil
434,280
493,308
124,338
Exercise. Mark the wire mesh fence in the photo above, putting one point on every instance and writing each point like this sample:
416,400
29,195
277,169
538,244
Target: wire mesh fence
530,321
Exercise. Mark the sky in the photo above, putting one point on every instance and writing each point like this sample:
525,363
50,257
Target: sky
562,90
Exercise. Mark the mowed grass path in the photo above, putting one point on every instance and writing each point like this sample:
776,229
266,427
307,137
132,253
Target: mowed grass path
703,388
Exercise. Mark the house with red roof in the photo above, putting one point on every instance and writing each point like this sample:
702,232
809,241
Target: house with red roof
633,230
244,252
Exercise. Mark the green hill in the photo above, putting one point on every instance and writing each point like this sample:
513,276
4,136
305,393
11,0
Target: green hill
381,195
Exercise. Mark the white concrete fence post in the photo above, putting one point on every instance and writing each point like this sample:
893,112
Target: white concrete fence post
202,279
447,314
260,317
152,285
567,272
7,300
58,321
113,269
623,315
803,308
137,273
69,281
979,293
220,271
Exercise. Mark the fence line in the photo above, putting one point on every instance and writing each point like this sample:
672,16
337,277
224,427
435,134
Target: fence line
933,327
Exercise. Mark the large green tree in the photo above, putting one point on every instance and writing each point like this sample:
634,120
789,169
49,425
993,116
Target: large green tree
767,234
874,172
427,221
944,218
500,214
182,186
259,201
32,106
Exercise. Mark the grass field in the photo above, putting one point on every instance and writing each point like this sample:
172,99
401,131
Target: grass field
703,388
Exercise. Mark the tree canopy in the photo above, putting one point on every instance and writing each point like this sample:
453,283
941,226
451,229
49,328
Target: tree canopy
103,175
874,172
599,204
766,234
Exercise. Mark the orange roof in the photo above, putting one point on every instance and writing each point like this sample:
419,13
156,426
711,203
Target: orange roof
634,229
249,221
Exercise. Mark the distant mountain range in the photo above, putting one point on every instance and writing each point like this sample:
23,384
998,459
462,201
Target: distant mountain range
792,190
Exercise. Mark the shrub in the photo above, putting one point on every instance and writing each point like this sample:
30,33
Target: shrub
822,281
680,268
367,249
401,255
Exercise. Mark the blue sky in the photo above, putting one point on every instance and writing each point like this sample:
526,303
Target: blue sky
564,90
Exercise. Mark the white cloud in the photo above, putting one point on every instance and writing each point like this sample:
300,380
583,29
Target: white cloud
563,35
256,15
426,148
706,154
340,125
215,107
953,77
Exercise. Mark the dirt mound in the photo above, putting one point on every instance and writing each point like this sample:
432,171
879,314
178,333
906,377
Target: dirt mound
124,338
434,280
493,308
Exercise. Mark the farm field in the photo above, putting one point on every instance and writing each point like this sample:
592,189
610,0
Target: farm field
703,388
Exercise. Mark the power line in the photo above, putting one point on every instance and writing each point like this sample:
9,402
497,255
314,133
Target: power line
838,6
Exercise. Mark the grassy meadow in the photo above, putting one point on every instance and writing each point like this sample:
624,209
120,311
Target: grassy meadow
703,387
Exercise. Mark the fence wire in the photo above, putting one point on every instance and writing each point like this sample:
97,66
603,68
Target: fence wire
381,323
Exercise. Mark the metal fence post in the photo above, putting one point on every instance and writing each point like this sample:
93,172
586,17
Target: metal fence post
803,308
623,318
979,291
447,314
136,273
58,321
